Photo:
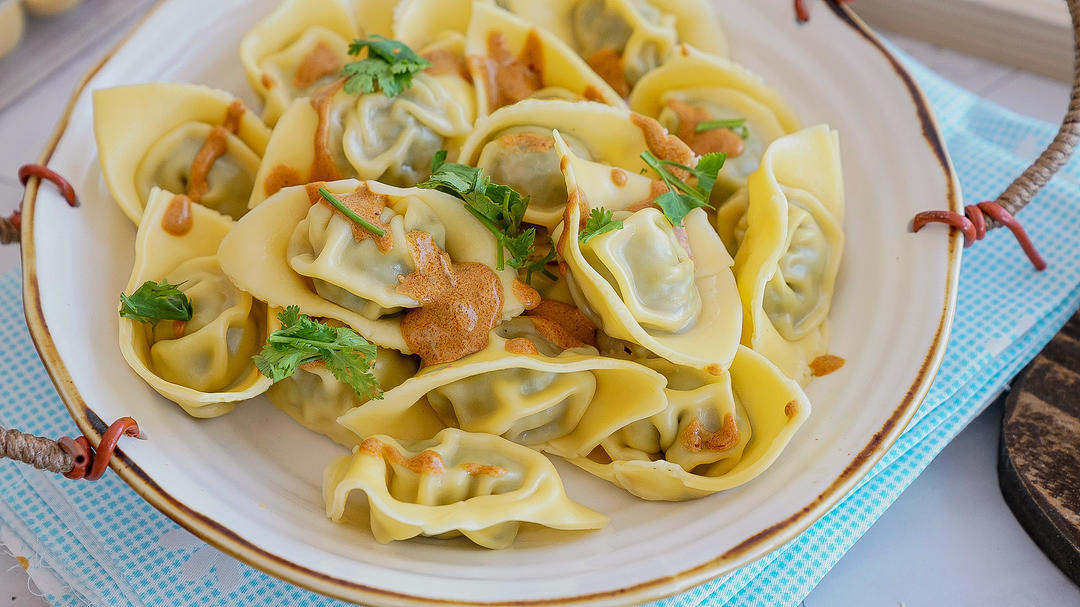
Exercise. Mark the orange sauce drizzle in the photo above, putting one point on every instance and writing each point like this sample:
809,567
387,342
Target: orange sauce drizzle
791,409
215,146
716,140
320,62
696,438
179,328
323,167
619,177
426,462
663,144
510,78
714,369
608,64
364,203
521,345
481,469
575,199
563,321
267,82
592,94
178,219
460,303
826,364
528,296
446,62
281,176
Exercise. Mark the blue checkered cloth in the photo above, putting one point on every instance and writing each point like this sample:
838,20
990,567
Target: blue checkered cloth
123,552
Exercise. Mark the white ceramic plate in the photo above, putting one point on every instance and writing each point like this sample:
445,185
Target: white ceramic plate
249,482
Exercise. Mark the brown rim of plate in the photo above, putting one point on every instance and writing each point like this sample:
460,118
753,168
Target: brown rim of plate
754,547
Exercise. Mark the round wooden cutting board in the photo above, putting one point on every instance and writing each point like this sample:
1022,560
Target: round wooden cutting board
1039,456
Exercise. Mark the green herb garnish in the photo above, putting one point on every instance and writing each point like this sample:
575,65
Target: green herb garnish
499,207
681,197
367,225
600,221
736,125
389,63
301,340
153,302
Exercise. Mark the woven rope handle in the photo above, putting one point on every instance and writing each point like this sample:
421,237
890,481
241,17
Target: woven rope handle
1028,185
41,453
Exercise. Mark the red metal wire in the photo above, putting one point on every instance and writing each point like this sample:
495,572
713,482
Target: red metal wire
973,225
90,465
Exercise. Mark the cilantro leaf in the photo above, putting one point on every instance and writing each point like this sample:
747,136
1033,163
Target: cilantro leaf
600,221
328,196
302,340
389,64
736,125
156,301
499,207
540,265
681,197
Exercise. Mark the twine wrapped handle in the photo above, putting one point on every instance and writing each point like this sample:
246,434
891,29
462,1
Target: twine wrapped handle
1022,191
74,458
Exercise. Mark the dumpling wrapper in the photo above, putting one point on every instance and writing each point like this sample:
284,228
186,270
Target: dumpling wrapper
371,136
273,50
133,122
316,399
255,256
775,408
158,255
563,74
619,392
789,257
710,341
477,485
600,132
726,90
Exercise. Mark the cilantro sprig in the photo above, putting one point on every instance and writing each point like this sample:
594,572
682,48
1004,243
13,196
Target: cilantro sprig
681,197
302,340
736,125
328,196
153,302
600,221
389,64
500,208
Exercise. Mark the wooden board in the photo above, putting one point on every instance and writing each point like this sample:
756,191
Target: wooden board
1039,456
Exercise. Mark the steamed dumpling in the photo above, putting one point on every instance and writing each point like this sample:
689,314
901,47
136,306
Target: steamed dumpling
669,290
204,364
315,398
717,432
787,231
530,389
693,87
295,50
291,252
184,138
458,483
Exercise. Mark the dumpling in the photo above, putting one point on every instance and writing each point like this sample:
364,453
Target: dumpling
294,250
335,135
477,485
315,398
717,432
526,386
184,138
419,23
789,242
296,49
693,87
515,146
621,40
670,290
511,60
204,365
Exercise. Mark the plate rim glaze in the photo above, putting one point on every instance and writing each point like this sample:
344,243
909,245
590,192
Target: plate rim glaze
754,547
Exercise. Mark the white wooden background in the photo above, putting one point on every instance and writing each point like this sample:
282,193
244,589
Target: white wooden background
949,540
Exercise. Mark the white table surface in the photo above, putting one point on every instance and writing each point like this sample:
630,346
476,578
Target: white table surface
949,540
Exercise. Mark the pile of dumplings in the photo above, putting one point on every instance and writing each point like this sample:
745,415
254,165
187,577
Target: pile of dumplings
667,360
